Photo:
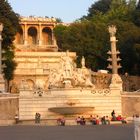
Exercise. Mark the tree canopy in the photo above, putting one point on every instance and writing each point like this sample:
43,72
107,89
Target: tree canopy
10,22
89,36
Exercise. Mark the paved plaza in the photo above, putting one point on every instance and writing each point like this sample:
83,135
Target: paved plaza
89,132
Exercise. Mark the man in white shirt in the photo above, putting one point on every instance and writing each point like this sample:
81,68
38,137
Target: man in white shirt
137,127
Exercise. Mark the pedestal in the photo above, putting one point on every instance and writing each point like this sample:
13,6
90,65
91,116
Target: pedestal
116,82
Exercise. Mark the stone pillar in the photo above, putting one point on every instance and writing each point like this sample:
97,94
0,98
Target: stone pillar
2,81
116,81
114,59
53,39
25,34
40,35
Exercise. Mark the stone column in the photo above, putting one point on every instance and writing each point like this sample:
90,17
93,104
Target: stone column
40,35
114,59
53,38
116,79
25,34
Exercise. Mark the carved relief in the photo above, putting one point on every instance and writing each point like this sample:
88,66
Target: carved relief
70,76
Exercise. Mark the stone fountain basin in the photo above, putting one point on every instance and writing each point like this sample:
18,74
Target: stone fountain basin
70,110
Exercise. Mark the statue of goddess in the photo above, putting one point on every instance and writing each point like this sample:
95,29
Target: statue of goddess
83,62
67,65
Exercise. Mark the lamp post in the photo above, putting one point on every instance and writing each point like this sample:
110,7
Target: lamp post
1,29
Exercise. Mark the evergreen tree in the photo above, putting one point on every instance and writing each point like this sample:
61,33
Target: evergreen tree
10,22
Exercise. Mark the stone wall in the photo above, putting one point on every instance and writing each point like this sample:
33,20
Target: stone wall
130,103
102,80
69,102
8,107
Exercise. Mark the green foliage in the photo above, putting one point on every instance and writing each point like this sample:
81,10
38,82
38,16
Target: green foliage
58,20
89,37
10,22
59,33
86,39
101,6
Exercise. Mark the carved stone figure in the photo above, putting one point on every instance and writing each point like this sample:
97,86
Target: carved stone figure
68,75
39,83
67,65
83,62
112,30
24,85
14,88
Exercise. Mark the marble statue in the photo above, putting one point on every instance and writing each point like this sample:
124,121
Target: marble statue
68,76
67,65
83,62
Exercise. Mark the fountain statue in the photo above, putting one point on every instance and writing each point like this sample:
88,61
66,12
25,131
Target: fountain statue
68,76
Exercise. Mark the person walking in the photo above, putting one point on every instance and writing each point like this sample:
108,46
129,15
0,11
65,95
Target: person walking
137,127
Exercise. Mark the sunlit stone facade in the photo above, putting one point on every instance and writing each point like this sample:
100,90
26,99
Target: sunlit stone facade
48,80
36,33
36,52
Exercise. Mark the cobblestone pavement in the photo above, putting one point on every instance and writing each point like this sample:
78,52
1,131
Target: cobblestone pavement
100,132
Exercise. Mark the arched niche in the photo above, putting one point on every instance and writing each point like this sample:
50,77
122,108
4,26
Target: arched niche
47,36
19,37
30,83
32,36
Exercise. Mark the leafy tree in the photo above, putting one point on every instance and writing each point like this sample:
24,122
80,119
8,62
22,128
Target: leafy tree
58,20
59,33
86,40
10,22
89,36
100,6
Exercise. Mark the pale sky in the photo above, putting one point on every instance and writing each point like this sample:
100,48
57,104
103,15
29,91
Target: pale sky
67,10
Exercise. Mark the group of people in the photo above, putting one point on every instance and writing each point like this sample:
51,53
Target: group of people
80,120
117,118
95,120
61,121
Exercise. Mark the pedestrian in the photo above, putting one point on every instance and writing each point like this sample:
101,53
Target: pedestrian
16,119
37,117
137,127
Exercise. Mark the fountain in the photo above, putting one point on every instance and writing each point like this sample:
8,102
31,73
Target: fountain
62,89
71,110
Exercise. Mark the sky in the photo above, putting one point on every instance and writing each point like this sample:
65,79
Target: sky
66,10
